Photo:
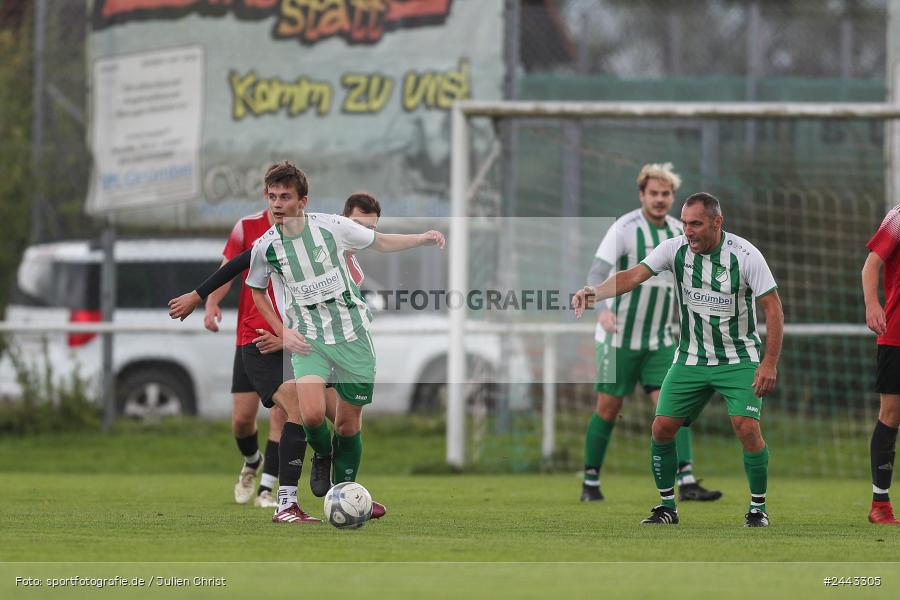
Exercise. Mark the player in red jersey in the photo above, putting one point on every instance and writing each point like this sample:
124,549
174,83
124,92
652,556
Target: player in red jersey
249,367
884,321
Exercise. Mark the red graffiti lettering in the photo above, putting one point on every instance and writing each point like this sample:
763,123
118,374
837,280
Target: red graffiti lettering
112,8
307,21
416,9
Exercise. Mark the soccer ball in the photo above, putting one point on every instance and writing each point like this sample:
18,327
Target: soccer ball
348,505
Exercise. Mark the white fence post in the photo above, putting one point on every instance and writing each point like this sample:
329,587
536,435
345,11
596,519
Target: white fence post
548,439
459,258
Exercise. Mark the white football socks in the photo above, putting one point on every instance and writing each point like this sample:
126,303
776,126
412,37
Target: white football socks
287,495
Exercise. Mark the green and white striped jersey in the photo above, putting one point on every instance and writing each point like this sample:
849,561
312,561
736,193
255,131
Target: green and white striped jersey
644,315
318,296
717,294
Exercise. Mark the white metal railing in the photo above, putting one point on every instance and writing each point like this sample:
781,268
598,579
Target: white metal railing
549,331
679,110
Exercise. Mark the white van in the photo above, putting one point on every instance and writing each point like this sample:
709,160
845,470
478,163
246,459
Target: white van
161,374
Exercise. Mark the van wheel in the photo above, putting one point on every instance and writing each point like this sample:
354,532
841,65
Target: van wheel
152,393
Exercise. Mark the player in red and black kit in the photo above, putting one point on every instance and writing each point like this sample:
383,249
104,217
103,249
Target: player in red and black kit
885,321
252,378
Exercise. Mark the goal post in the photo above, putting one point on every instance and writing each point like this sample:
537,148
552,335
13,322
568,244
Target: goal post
458,280
626,134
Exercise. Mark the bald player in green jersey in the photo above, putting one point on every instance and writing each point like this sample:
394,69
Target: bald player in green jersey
633,337
719,278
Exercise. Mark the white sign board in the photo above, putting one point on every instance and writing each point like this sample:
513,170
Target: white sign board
146,134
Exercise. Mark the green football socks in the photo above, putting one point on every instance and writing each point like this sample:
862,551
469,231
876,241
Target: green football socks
596,441
664,464
347,456
319,438
756,465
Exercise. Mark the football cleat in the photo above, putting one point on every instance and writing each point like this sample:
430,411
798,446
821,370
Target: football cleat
695,491
243,489
591,493
661,515
265,500
320,475
378,510
294,514
882,513
756,518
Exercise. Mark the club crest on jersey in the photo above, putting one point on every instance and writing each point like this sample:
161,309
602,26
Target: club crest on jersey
320,254
720,273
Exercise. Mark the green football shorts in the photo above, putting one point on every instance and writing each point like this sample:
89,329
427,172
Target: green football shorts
687,389
353,365
619,369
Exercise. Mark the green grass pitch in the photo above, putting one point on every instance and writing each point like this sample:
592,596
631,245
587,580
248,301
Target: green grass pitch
157,503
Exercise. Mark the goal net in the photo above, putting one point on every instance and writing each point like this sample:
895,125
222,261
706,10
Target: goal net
536,185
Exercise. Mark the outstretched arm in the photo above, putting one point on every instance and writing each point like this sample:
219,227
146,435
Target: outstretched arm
600,270
620,283
871,273
225,275
214,288
213,315
395,242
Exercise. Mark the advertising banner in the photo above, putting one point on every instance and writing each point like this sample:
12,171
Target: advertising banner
192,99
